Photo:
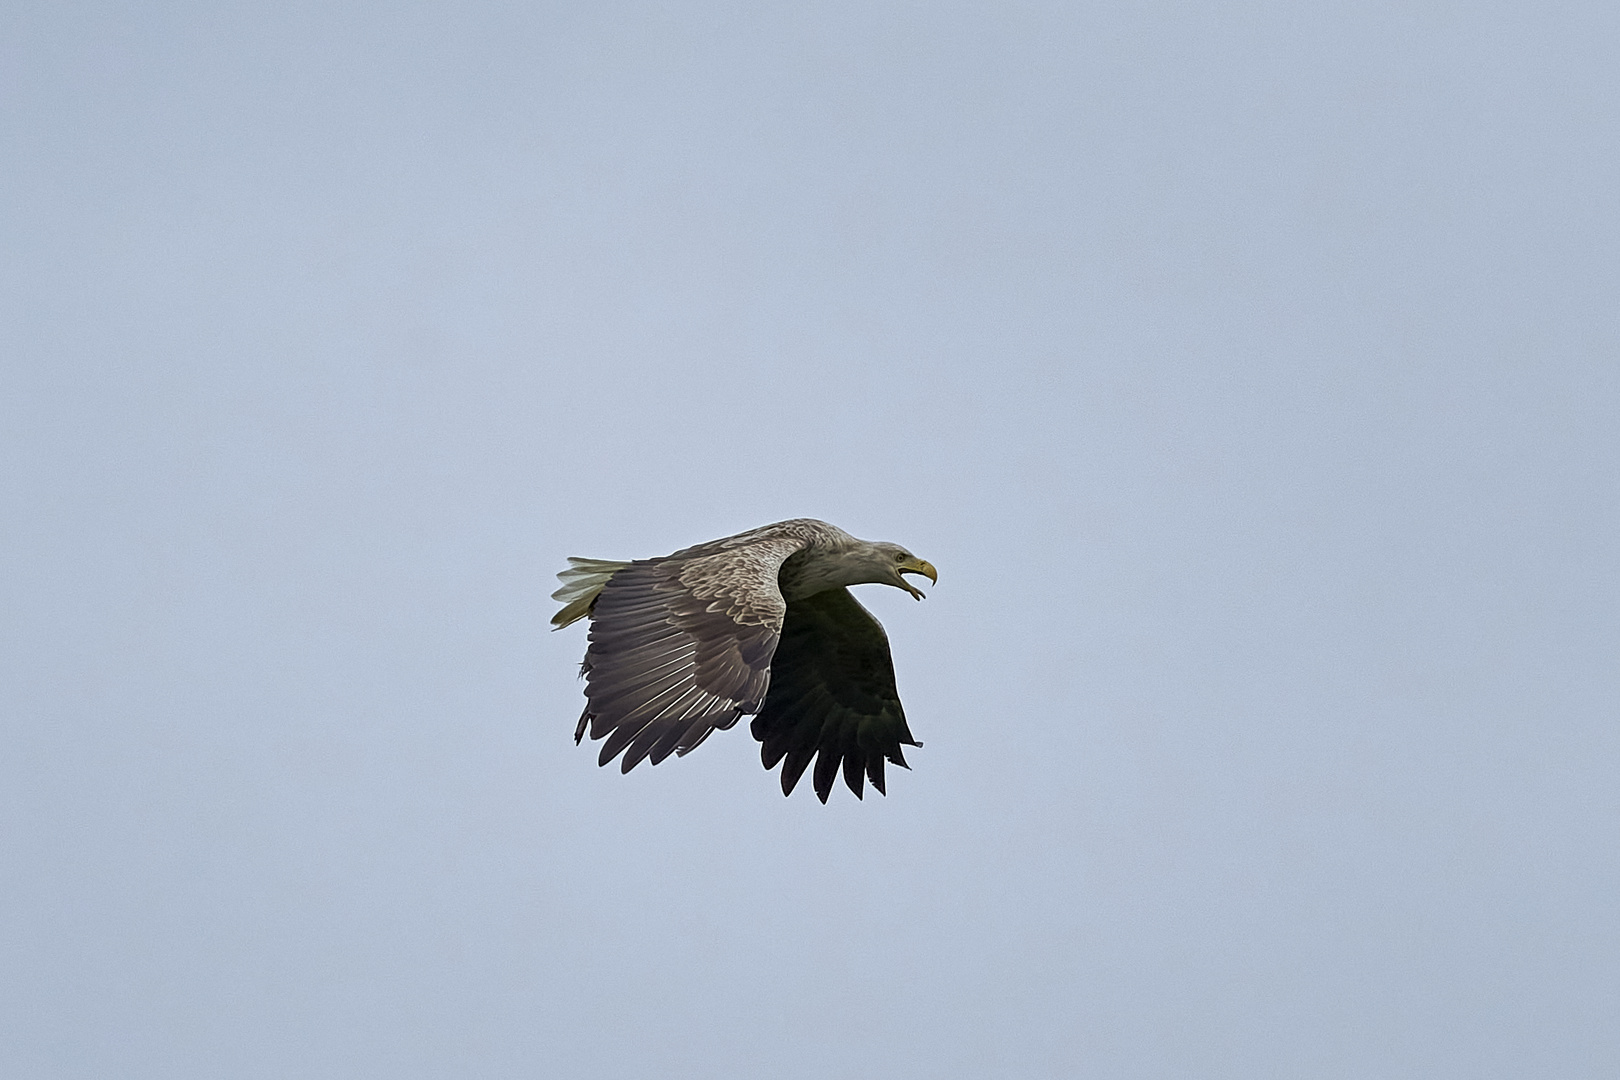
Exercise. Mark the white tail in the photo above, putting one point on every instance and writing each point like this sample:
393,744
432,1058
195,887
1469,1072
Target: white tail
582,581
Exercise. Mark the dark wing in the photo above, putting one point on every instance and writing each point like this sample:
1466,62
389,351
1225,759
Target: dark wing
832,697
679,647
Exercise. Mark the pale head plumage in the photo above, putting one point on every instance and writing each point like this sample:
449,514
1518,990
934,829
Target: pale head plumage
861,562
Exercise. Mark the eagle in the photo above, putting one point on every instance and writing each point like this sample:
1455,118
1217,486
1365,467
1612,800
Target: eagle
759,624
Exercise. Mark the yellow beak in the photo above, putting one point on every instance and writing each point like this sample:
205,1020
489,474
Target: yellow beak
917,566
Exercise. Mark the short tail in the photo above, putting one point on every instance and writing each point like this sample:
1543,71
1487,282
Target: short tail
582,582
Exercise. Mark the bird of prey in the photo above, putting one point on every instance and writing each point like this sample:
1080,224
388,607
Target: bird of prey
755,624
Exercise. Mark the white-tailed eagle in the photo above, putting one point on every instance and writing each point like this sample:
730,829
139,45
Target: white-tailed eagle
755,624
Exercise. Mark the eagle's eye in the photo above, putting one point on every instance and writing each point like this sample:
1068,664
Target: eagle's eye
901,556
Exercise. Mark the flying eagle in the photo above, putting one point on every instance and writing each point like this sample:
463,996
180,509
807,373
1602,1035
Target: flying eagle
759,623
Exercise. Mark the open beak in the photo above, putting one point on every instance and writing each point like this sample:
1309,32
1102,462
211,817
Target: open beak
917,566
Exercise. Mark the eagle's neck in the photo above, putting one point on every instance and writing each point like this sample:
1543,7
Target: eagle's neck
814,570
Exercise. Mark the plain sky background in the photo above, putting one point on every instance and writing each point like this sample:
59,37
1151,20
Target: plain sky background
1250,371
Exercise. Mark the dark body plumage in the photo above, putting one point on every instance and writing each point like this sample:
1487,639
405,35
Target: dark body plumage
758,623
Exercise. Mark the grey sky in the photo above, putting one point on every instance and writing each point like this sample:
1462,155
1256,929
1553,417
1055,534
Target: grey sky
1249,371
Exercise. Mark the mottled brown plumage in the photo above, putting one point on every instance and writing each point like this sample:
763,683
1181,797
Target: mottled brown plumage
758,623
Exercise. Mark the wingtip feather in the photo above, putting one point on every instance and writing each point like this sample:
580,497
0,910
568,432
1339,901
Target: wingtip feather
854,775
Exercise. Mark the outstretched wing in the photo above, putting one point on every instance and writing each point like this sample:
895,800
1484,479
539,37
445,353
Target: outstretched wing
832,697
681,646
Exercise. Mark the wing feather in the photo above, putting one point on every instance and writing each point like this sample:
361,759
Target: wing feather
798,759
679,646
832,697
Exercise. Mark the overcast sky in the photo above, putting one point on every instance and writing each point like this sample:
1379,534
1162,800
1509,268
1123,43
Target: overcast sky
1250,371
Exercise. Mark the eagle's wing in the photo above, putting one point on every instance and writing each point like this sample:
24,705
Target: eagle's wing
832,694
680,646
